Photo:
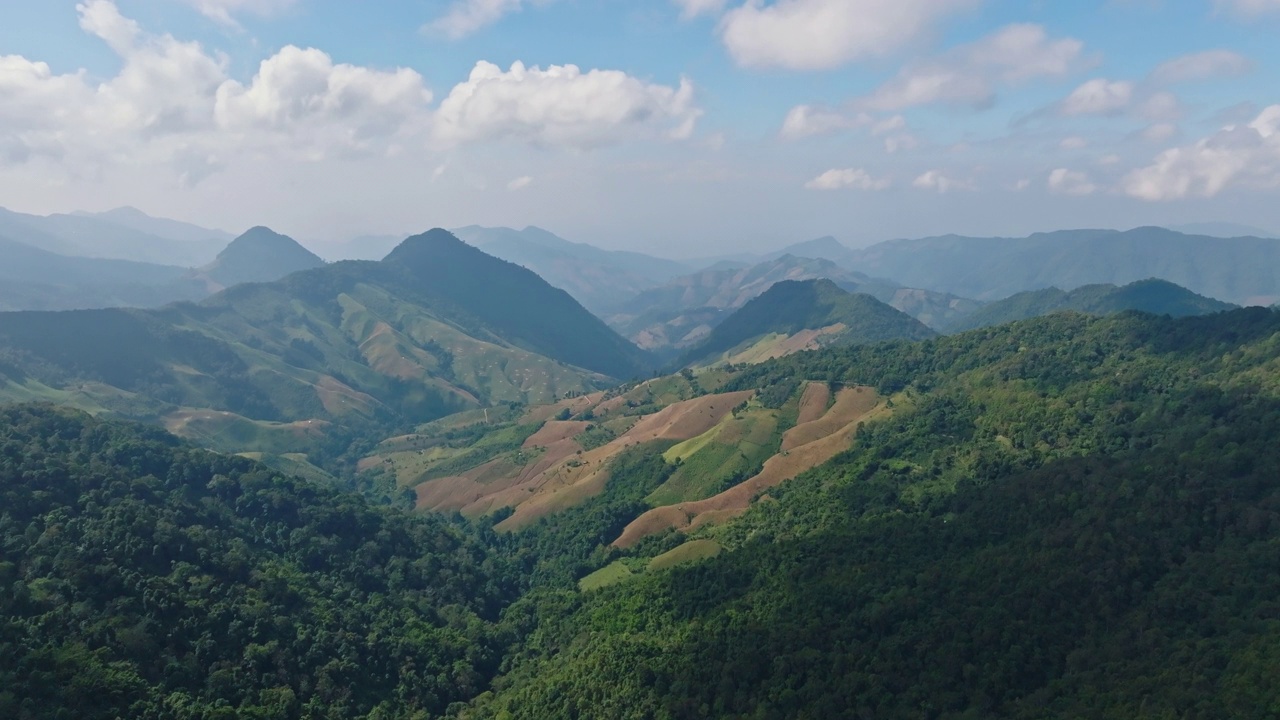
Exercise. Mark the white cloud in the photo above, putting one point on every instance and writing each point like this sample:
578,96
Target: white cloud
1075,142
563,106
694,8
1247,8
467,16
807,120
172,103
940,182
520,183
1246,155
303,90
224,11
1205,65
822,34
1159,133
854,178
1070,182
1098,97
970,74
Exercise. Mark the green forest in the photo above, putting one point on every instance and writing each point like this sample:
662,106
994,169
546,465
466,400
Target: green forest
1062,517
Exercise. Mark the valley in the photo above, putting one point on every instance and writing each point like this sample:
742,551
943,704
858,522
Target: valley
848,465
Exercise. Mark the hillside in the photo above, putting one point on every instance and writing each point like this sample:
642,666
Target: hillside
795,315
1150,296
310,362
145,578
35,279
259,255
599,279
1241,270
98,236
678,315
1064,517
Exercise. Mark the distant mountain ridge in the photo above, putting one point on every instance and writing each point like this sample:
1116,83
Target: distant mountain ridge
1157,297
36,279
597,278
806,314
664,317
1241,270
106,237
437,327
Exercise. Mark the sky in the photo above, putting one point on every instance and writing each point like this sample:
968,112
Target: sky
678,127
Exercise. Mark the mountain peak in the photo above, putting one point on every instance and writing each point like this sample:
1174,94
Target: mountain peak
260,254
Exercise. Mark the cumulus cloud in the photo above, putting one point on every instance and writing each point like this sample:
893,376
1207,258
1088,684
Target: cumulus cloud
940,182
224,11
467,16
1247,8
303,88
520,183
807,120
822,34
970,74
1205,65
563,106
854,178
1070,182
1098,97
172,103
1247,155
694,8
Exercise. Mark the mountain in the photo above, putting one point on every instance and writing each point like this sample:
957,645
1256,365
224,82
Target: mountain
1223,230
259,255
97,237
1157,297
795,315
134,218
599,279
823,248
1240,270
681,313
1061,518
324,355
182,565
35,279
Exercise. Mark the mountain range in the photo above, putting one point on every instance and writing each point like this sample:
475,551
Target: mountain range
597,278
796,315
1157,297
436,327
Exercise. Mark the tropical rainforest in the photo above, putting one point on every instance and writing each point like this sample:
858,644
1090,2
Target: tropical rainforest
1066,516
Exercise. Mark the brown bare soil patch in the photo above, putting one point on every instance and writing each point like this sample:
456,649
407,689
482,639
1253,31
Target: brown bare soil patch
575,405
813,404
583,476
777,469
554,431
850,404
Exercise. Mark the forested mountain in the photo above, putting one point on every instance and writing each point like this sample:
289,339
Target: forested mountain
1068,516
1157,297
599,279
99,236
1242,270
259,255
35,279
796,315
144,578
681,313
1065,517
300,364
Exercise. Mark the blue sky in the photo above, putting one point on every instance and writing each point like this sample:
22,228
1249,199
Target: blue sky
683,127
